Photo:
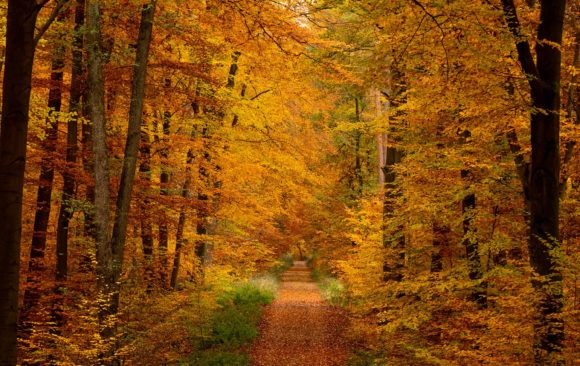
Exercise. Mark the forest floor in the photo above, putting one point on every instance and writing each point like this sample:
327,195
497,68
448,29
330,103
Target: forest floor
299,327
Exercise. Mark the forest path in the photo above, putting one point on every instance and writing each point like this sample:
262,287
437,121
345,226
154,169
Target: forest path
299,328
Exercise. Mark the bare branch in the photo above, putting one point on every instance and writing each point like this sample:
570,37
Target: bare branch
440,26
260,94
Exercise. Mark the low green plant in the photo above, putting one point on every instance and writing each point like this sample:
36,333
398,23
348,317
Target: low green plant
233,324
331,289
249,293
365,358
285,262
215,358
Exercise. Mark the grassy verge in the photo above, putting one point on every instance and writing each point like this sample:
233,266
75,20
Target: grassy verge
331,289
233,325
282,265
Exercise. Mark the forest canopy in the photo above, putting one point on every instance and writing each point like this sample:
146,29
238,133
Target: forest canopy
155,154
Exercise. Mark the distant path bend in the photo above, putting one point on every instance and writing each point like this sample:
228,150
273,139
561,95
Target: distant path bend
299,328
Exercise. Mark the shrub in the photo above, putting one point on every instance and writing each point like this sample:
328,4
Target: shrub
213,358
282,265
235,323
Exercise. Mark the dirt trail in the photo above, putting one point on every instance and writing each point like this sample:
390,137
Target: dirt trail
299,328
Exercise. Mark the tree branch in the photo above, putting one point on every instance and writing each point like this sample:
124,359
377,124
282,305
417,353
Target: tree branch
260,94
522,45
440,26
522,166
53,15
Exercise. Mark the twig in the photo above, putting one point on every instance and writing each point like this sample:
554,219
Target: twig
260,93
439,25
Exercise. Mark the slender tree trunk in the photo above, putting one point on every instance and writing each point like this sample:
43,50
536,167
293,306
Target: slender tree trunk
206,207
36,264
132,145
233,70
145,204
357,159
133,136
440,237
471,243
179,241
21,21
145,207
203,211
68,191
164,180
544,176
395,240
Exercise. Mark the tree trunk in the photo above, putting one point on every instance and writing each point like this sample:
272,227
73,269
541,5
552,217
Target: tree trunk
179,241
440,237
395,240
21,20
145,204
132,144
36,264
105,272
544,179
68,191
233,70
471,243
203,211
357,158
164,190
145,207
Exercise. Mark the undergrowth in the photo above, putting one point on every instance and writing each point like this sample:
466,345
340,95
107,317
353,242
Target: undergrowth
282,265
331,289
233,324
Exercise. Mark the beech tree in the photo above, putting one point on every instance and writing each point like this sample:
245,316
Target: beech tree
408,149
543,181
110,250
16,87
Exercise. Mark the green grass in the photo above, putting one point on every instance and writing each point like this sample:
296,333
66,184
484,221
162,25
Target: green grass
282,265
234,324
216,358
331,289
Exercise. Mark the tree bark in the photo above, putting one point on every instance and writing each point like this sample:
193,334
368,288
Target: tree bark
36,264
471,244
544,180
179,241
440,237
105,272
21,20
145,205
131,149
68,191
394,240
357,159
164,180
